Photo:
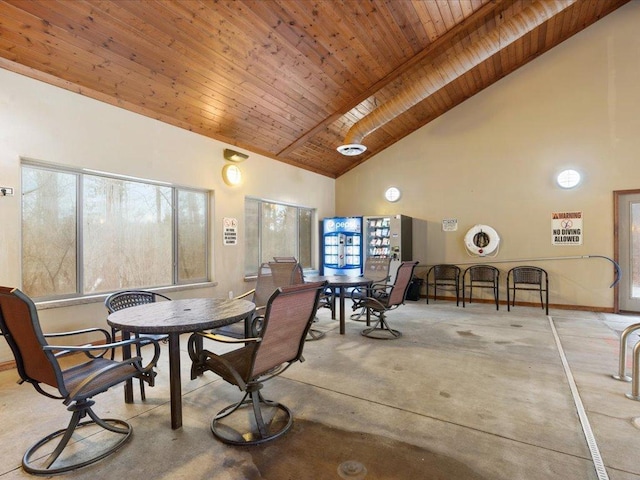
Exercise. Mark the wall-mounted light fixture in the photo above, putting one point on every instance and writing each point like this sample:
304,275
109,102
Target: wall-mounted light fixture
568,178
234,156
392,194
231,174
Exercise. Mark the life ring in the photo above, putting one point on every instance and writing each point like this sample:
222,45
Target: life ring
481,240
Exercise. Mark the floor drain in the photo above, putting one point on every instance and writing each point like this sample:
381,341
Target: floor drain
352,469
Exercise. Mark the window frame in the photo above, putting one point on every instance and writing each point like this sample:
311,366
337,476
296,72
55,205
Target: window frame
79,173
261,201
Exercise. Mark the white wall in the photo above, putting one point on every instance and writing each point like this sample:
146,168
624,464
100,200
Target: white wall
493,159
46,123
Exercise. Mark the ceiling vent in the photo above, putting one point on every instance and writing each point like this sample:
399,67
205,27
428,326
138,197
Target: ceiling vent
454,63
352,149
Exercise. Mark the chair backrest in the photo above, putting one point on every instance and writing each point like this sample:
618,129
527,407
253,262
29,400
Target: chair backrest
130,298
288,316
528,275
446,272
265,286
377,268
401,284
286,273
483,273
21,329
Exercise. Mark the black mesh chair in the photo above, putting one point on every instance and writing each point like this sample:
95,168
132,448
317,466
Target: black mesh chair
444,277
131,298
528,278
90,374
481,276
287,319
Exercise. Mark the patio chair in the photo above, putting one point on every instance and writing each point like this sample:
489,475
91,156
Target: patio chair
259,295
288,316
386,297
445,277
481,276
130,298
528,278
376,269
92,373
287,271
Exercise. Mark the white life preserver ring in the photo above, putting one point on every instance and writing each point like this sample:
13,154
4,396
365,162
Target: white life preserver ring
481,240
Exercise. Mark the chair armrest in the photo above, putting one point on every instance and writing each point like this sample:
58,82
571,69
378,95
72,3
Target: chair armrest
83,331
246,294
224,339
61,350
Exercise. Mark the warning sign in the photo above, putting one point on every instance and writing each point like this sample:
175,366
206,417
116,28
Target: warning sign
230,231
566,228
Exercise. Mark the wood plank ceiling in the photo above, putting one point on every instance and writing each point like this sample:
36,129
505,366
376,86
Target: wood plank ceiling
284,78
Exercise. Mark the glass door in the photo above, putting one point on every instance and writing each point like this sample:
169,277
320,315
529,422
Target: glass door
628,247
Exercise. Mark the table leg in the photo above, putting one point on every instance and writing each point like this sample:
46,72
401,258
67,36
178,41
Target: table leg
333,302
342,310
175,385
126,354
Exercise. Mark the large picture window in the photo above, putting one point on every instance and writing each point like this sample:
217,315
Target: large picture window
276,230
86,233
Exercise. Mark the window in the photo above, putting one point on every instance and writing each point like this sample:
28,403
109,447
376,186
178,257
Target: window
87,233
276,230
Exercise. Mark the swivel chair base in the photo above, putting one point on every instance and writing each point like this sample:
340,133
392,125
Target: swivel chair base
269,421
381,331
32,462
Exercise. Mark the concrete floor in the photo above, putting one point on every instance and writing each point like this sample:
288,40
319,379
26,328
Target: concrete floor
465,393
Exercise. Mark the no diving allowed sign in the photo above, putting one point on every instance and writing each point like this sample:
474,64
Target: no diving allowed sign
566,228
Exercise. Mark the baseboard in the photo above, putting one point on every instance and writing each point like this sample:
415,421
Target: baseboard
557,306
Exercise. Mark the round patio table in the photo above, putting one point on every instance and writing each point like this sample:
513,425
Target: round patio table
173,318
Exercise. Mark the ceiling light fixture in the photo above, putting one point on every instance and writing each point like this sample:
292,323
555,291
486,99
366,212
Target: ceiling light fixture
234,156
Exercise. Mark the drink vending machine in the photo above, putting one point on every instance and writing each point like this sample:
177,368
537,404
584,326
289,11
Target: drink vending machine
341,246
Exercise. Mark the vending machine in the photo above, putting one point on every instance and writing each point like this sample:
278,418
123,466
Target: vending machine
341,246
389,236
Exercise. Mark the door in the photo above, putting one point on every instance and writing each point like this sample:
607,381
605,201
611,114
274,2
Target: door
627,206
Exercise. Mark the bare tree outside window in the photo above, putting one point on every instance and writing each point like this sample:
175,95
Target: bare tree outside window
192,236
276,230
126,235
49,221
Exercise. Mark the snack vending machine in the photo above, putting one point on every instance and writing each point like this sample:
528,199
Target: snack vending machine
341,246
389,236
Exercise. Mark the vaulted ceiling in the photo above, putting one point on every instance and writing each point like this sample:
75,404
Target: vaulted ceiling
289,79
